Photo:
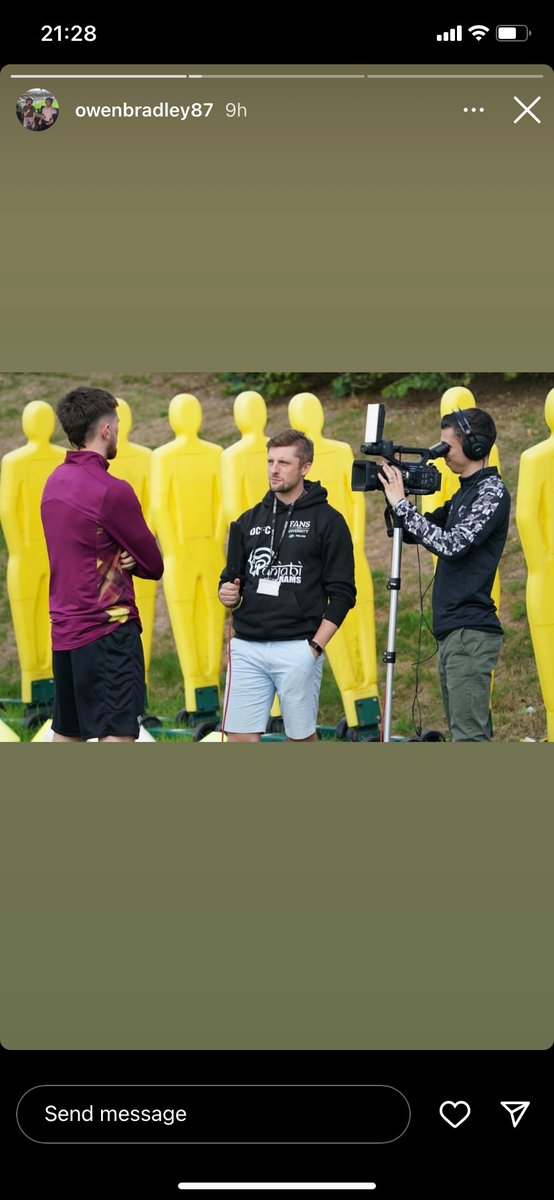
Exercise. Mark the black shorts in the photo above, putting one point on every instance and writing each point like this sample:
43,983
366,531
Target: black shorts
100,688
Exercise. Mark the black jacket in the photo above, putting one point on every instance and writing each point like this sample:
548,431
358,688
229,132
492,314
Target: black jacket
468,535
314,568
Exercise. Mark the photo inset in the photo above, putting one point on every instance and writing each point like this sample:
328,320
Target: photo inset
37,110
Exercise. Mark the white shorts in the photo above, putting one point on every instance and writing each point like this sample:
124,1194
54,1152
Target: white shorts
259,670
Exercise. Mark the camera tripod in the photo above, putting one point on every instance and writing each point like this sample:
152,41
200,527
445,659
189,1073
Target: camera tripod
389,655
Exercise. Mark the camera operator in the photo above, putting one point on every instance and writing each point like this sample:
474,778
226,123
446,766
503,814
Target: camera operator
468,535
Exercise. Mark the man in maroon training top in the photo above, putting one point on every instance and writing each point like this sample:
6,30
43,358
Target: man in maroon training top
97,539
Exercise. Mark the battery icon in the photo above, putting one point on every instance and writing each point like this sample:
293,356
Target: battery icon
512,33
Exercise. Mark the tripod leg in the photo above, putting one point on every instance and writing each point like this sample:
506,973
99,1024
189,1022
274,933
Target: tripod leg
389,656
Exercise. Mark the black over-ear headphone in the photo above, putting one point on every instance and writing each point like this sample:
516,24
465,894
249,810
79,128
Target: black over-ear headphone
474,445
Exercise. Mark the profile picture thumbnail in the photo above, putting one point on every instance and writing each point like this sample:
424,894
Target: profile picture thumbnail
37,109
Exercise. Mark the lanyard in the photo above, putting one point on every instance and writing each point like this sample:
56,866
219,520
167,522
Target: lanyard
275,552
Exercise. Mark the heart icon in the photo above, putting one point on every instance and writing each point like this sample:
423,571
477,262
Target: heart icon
450,1106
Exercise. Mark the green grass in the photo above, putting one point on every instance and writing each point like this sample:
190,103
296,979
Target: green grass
379,577
330,704
518,610
14,715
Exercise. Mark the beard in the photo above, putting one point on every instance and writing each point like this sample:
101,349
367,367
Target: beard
284,487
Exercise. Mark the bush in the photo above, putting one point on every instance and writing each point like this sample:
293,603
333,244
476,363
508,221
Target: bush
272,385
275,385
394,386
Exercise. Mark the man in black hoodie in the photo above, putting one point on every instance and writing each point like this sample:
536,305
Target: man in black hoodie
468,535
294,588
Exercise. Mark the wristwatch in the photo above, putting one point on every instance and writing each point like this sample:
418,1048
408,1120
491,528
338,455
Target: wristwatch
315,646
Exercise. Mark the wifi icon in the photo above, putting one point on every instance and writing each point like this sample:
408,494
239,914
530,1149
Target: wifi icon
478,31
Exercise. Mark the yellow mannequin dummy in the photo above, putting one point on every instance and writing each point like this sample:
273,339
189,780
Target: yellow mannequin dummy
351,653
132,463
535,523
188,517
244,464
22,478
457,398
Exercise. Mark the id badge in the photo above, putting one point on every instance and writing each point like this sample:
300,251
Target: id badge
269,587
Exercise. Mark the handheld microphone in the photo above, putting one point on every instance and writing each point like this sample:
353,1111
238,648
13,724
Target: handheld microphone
234,562
234,550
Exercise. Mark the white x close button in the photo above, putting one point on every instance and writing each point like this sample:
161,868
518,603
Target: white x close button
527,109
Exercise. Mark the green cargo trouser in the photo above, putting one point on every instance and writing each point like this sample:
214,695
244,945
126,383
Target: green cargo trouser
467,658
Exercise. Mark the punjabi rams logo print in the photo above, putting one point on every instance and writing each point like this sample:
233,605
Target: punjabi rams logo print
259,560
260,564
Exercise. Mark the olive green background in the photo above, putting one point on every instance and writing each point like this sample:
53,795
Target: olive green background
278,896
359,224
353,896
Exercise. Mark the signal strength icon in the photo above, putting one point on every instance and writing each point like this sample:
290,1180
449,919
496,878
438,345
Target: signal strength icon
452,35
478,31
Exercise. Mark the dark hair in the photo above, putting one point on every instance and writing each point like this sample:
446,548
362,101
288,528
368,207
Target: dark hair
480,423
293,437
80,410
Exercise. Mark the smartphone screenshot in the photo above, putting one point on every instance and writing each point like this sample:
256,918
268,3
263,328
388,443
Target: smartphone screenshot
277,464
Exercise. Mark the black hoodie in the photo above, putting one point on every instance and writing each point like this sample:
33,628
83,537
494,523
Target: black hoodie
468,534
313,568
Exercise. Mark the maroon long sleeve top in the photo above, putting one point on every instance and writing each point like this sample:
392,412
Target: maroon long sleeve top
89,518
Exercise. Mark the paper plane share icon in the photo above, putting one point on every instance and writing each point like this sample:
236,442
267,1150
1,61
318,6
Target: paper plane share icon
516,1109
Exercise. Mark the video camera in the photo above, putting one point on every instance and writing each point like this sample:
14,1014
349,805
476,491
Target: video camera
419,479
